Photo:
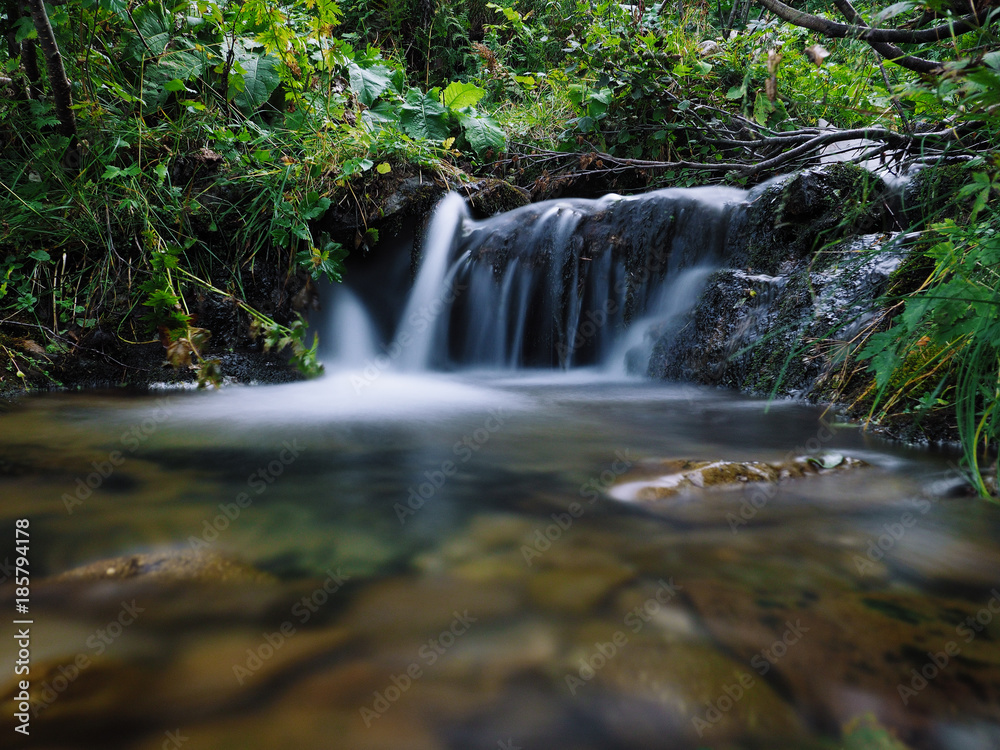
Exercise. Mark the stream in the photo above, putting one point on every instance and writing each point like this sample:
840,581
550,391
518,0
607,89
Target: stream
419,552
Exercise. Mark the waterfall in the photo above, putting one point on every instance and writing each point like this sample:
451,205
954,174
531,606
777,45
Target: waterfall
353,343
418,327
560,284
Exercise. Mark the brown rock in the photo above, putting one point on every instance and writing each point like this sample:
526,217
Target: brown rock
168,567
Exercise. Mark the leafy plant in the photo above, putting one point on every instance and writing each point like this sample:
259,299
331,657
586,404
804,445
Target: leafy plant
943,348
436,116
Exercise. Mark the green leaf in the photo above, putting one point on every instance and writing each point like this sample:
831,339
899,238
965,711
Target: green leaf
24,29
155,27
381,115
352,167
383,168
884,364
259,80
892,11
369,83
762,109
175,85
318,207
598,103
40,255
112,173
482,133
458,95
424,117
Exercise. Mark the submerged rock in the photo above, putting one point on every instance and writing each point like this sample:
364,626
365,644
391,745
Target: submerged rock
167,567
913,661
672,477
644,689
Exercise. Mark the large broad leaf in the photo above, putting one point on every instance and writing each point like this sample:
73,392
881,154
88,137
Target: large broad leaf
381,115
169,72
369,83
259,78
458,95
482,132
183,64
155,27
424,117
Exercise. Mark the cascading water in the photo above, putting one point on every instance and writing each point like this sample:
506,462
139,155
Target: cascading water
562,283
355,342
417,328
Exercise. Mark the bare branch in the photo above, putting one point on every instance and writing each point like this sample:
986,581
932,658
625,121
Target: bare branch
890,51
830,28
806,145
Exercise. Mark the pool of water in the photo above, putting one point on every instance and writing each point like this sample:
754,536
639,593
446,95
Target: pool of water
381,560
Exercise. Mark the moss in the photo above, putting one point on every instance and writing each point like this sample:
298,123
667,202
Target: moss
808,211
492,196
930,195
910,276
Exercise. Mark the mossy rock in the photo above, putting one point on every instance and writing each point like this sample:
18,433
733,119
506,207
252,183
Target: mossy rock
806,211
491,196
167,567
930,195
670,478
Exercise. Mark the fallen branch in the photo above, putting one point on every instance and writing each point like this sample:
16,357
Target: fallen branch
796,149
865,33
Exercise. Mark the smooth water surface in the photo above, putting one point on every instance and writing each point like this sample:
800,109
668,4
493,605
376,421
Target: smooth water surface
437,561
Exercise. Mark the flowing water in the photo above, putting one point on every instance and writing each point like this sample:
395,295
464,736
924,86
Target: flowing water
437,546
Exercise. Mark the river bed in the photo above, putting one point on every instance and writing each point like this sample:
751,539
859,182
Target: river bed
386,560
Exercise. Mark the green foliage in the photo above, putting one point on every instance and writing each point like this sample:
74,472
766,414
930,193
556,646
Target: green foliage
168,94
943,349
437,117
293,338
325,262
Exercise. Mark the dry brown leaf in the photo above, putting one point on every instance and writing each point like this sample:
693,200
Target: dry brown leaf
773,61
817,53
179,353
771,88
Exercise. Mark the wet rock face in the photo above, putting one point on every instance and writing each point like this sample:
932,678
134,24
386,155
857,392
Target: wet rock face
790,333
806,264
788,218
